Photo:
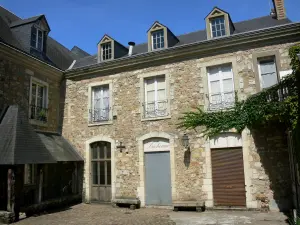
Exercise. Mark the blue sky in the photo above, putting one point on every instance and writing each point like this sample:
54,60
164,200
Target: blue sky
83,23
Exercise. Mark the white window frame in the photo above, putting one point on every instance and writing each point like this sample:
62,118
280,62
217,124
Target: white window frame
163,37
33,174
210,23
37,38
259,69
103,52
143,94
219,67
36,81
90,100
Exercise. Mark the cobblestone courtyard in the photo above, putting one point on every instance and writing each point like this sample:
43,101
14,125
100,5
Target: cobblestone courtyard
95,214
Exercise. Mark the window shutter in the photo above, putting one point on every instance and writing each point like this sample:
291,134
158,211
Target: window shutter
45,42
33,37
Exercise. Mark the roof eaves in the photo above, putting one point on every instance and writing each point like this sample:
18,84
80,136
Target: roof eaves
247,33
27,54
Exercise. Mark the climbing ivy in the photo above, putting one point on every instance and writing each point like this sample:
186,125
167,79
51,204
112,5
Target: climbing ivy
276,104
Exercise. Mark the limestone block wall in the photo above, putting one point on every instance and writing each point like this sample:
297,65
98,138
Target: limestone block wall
187,89
15,89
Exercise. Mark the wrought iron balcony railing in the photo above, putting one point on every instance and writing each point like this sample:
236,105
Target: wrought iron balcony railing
220,101
38,113
155,109
97,115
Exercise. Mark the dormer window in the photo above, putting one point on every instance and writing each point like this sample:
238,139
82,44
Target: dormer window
158,39
218,24
37,37
106,52
218,27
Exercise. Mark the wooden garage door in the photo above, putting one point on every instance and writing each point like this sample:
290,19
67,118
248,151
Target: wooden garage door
228,177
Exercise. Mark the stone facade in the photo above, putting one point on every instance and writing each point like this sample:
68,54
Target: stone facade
187,89
15,80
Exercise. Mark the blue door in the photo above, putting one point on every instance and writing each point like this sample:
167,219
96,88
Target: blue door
158,178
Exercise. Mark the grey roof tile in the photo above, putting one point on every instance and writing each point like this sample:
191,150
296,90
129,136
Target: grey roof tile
25,21
19,143
79,52
59,147
60,56
240,27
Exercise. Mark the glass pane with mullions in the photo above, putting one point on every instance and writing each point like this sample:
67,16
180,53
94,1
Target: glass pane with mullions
95,172
94,152
108,169
101,149
102,172
108,151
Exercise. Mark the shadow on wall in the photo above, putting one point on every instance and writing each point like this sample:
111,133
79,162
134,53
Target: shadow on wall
272,152
62,105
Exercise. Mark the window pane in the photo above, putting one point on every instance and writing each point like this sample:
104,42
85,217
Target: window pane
158,39
94,152
40,91
150,96
150,84
101,149
228,85
95,172
215,87
102,172
269,80
226,72
160,82
108,151
267,67
33,89
214,74
108,169
161,94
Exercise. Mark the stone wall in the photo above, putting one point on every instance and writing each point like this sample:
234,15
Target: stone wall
15,89
188,89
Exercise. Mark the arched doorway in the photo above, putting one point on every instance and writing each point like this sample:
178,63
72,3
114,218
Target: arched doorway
101,171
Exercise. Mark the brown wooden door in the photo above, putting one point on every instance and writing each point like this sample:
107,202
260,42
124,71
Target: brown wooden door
228,177
101,171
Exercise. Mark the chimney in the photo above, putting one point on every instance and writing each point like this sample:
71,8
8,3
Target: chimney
279,9
131,44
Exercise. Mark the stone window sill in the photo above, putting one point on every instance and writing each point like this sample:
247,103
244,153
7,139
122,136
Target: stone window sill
157,118
38,123
100,123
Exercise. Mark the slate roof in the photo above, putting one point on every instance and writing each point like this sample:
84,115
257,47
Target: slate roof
19,143
59,147
59,55
240,27
25,21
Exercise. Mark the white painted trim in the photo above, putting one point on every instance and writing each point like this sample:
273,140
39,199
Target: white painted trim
246,139
144,76
140,140
87,166
216,62
46,100
89,105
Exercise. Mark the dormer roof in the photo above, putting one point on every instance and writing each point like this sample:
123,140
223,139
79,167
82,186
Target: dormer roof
30,20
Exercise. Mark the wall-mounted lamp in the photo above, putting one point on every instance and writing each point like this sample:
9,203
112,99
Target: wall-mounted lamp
185,141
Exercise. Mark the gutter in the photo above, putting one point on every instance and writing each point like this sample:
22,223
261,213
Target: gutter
187,49
28,55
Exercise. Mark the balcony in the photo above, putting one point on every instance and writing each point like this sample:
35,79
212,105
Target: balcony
38,113
99,115
155,109
221,101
